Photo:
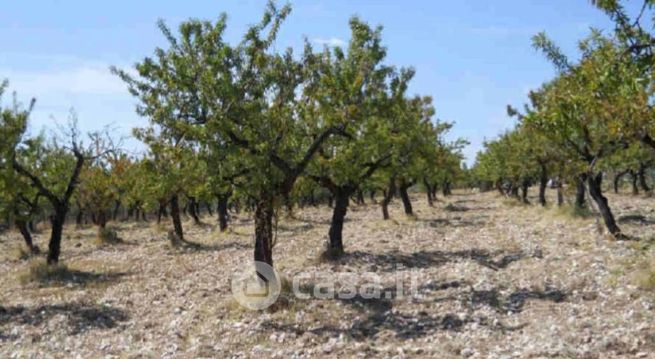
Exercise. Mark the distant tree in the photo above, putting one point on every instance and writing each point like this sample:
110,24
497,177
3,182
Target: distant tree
586,107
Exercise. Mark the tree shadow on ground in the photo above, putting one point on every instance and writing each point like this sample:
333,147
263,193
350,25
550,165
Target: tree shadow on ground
454,222
390,262
201,247
515,302
379,314
80,317
635,219
61,275
295,229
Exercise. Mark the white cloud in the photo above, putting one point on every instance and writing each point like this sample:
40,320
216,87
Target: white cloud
80,79
60,83
333,41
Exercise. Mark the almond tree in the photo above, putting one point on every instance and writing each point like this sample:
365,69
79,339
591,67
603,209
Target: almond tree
411,135
19,202
245,97
586,107
349,87
54,173
638,51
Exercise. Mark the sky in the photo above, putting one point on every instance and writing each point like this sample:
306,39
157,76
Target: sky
474,57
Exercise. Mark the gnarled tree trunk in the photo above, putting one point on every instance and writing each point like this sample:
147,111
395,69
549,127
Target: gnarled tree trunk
596,192
514,190
360,198
525,185
633,181
499,187
543,183
223,199
560,195
580,191
428,192
264,230
342,199
27,236
175,215
642,178
117,207
446,189
617,180
404,196
388,196
161,211
57,221
193,210
101,219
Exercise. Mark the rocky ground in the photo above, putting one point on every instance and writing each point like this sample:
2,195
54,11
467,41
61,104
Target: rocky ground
491,279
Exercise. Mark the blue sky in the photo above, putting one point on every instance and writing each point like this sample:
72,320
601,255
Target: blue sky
474,57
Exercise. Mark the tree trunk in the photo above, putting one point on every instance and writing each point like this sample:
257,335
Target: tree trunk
372,196
360,197
175,215
222,211
388,196
129,213
596,192
79,217
54,246
514,190
525,186
208,206
446,191
335,246
580,201
633,181
161,212
117,207
101,219
264,230
404,196
193,210
543,183
499,188
560,195
428,192
641,174
27,236
617,180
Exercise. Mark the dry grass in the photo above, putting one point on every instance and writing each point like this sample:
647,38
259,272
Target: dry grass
40,272
495,280
645,276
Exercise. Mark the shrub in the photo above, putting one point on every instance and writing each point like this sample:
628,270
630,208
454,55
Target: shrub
108,236
645,277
